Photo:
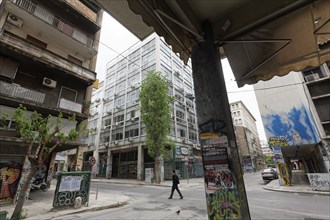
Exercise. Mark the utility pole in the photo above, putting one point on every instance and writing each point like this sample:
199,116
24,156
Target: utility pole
225,190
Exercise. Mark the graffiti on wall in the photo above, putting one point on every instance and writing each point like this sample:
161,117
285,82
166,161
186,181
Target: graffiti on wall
223,204
319,181
297,126
9,178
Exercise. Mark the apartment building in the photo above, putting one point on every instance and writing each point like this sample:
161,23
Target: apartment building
247,137
295,115
47,60
119,136
318,93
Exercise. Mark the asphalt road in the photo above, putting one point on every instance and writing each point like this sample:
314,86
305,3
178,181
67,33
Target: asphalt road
151,202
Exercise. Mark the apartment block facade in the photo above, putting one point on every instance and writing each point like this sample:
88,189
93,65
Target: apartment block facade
247,137
47,61
118,139
295,114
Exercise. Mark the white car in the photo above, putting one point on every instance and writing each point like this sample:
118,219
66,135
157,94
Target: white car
269,174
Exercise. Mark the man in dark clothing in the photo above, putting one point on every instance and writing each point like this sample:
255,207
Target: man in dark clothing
175,182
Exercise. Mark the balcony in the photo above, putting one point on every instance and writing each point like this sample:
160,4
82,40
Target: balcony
17,91
45,56
52,20
28,96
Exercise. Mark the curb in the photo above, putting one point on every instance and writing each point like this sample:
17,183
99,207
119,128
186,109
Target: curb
304,192
127,183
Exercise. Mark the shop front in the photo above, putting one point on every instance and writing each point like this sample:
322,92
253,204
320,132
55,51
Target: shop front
124,165
183,161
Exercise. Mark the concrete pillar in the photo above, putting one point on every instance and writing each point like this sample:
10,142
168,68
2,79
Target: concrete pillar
51,169
109,165
79,158
140,163
95,167
214,117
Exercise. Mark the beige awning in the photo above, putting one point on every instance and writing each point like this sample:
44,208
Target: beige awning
261,39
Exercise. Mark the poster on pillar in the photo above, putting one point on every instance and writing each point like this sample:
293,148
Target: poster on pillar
220,185
276,143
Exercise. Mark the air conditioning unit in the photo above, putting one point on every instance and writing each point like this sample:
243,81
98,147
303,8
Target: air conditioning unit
115,142
97,100
106,145
13,19
49,82
109,112
115,94
312,77
105,99
118,107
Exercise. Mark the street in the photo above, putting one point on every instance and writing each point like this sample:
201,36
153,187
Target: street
151,202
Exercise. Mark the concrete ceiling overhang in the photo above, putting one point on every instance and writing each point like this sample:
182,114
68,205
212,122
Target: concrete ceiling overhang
261,39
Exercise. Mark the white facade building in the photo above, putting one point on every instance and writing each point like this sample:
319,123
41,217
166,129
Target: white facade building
118,138
295,114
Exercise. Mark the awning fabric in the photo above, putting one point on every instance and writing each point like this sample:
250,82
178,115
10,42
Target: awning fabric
291,43
261,39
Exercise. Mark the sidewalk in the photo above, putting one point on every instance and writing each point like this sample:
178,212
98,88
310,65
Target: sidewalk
274,185
40,205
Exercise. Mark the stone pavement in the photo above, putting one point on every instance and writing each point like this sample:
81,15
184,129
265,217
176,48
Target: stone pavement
40,205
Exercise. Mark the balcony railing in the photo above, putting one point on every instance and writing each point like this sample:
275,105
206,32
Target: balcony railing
46,56
69,105
48,100
51,19
17,91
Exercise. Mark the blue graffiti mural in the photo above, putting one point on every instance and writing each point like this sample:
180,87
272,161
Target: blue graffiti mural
296,125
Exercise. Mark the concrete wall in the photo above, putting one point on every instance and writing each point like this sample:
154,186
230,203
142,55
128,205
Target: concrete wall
285,111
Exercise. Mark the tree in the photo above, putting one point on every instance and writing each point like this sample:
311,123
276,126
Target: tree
40,136
156,115
268,160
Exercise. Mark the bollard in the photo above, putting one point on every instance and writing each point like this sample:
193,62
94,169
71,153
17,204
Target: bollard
77,203
97,191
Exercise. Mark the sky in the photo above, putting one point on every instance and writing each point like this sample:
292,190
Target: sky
115,39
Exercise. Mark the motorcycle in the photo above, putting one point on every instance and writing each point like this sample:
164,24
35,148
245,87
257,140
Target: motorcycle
38,183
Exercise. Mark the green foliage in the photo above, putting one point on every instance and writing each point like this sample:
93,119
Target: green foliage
156,114
3,120
268,160
36,129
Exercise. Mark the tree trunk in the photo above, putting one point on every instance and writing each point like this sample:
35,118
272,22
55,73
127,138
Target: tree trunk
158,169
21,197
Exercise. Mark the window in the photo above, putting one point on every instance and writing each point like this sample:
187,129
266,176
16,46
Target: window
119,118
132,131
117,134
36,41
182,133
107,122
75,60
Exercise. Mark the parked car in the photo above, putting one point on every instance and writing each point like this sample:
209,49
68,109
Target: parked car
269,174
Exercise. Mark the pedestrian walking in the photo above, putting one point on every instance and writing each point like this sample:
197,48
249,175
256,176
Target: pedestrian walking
175,183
